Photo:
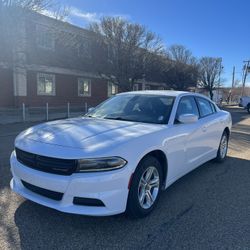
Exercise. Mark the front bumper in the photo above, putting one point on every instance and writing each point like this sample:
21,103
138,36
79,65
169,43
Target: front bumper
109,187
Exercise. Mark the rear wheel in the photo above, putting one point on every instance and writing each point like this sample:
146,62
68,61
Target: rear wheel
223,147
248,108
145,188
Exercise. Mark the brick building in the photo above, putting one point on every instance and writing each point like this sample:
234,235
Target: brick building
52,62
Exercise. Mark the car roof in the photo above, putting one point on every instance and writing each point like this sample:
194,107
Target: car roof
173,93
156,92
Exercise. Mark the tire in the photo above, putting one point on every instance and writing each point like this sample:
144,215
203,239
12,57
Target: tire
141,188
248,108
223,147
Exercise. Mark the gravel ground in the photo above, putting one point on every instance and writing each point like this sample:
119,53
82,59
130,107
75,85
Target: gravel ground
207,209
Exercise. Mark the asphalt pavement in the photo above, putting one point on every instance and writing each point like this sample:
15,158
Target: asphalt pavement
207,209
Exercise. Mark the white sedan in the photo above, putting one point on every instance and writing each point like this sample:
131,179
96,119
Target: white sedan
121,154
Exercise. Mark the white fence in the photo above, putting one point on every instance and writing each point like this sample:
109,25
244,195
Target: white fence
42,113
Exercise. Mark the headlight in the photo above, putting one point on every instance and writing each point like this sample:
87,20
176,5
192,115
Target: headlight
100,164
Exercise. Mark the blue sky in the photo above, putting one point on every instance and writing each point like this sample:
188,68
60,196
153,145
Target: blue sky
208,28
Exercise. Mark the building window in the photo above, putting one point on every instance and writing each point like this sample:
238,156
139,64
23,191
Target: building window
136,87
84,87
84,49
112,89
45,84
45,38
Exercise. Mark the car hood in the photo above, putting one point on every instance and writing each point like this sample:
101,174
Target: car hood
85,132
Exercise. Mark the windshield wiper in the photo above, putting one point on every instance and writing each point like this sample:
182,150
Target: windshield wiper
118,118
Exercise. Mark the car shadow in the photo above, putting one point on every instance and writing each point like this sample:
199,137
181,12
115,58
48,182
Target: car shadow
206,198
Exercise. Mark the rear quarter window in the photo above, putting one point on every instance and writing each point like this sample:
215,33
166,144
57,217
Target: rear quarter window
213,107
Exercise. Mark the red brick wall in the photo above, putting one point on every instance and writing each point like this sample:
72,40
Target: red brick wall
66,91
6,88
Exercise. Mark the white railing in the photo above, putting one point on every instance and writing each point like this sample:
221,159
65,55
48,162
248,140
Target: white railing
41,113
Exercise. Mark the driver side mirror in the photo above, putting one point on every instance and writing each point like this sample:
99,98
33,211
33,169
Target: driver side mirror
187,118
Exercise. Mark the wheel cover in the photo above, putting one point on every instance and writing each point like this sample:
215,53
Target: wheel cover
223,146
148,188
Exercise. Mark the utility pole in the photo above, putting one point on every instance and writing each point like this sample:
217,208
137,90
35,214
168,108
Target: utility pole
221,67
231,91
246,67
233,77
219,86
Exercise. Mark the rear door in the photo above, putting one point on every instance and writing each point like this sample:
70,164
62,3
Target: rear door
210,123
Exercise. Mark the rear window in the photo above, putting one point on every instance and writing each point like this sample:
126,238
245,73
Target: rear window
205,107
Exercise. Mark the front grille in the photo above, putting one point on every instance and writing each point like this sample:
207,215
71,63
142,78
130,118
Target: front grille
46,164
44,192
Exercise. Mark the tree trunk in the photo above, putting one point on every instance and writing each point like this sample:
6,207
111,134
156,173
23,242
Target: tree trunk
211,94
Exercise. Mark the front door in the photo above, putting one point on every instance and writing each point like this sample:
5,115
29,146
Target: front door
195,133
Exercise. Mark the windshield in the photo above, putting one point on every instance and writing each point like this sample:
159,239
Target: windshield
136,108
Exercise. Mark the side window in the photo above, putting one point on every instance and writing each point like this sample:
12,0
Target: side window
205,107
187,105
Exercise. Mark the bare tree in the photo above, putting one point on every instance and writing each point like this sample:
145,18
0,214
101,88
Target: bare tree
181,68
130,48
210,69
181,54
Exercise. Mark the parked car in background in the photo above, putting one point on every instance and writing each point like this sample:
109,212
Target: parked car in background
121,155
245,103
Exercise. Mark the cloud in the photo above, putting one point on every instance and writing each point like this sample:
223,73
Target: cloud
49,13
90,17
74,15
86,16
60,14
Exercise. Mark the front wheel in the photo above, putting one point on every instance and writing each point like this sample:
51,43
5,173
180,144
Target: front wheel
145,188
223,147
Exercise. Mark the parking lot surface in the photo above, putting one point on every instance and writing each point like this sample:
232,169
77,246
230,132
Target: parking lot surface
207,209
